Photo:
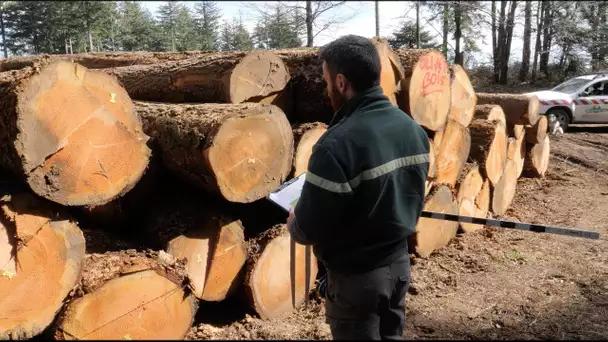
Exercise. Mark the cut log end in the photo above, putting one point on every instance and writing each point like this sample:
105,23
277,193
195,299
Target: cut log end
268,281
80,140
141,305
536,133
537,159
469,191
453,152
391,72
305,137
215,255
516,151
463,98
427,96
251,154
489,147
259,73
432,234
48,255
504,191
491,113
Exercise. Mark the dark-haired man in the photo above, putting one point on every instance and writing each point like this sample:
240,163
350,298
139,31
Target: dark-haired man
363,196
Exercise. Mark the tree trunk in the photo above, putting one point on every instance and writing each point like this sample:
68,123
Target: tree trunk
463,98
536,133
504,190
305,136
525,63
452,154
432,234
309,35
41,255
222,77
269,291
539,30
4,47
518,109
489,148
547,36
495,50
378,19
124,291
417,25
239,151
501,41
506,52
446,29
537,158
425,87
85,146
458,33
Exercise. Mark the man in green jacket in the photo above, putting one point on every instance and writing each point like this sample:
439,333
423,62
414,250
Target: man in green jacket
363,195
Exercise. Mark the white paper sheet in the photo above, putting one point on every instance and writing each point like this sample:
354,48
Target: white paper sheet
288,194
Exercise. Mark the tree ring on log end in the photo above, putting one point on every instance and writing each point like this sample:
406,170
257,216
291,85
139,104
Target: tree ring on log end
248,152
80,140
43,266
258,74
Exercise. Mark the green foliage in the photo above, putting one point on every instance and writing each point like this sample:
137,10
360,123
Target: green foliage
136,28
235,36
280,29
405,37
207,19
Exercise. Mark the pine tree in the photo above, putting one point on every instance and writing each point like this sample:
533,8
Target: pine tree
207,18
406,37
242,39
137,27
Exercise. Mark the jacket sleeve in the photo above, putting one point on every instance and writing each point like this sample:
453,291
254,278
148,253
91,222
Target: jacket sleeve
325,197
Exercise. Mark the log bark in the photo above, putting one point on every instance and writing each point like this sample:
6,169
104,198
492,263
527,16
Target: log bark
100,60
392,71
239,151
453,153
433,234
425,88
71,133
129,295
536,133
41,259
213,78
516,151
463,98
268,281
305,137
491,113
537,158
489,148
469,189
504,191
518,109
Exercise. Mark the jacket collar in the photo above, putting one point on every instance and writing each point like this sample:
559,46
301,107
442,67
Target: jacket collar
369,95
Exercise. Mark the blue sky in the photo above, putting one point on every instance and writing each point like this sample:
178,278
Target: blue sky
392,13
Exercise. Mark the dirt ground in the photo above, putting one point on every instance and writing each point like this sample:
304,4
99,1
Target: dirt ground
496,283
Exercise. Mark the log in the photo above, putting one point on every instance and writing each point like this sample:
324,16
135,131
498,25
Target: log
463,98
239,151
41,258
432,234
468,190
392,71
491,113
537,157
504,190
516,131
536,133
100,60
432,174
482,201
489,147
518,109
425,91
516,151
215,253
129,295
268,281
70,133
213,78
453,152
305,137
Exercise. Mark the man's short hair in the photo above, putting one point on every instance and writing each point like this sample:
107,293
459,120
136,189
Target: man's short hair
356,58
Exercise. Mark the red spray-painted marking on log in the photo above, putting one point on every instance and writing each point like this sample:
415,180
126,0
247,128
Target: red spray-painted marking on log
433,79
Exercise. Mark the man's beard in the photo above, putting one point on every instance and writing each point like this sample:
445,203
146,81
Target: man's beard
337,100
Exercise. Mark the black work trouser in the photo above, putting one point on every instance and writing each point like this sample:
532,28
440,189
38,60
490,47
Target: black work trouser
368,306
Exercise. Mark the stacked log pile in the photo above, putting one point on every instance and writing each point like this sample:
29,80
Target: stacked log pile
176,153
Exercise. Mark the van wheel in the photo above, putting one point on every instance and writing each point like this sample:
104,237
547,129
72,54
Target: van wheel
561,115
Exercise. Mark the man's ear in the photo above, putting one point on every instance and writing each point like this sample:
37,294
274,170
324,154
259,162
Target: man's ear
341,83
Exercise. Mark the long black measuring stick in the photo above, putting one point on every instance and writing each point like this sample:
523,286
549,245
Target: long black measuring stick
537,228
